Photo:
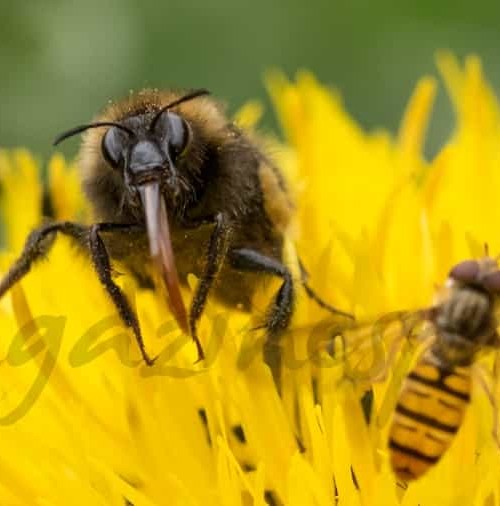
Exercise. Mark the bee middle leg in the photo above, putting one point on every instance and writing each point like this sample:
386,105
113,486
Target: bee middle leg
216,252
280,311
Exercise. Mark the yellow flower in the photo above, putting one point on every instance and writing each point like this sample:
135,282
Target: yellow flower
83,421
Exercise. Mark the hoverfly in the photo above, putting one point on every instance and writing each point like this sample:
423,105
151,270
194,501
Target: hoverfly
451,333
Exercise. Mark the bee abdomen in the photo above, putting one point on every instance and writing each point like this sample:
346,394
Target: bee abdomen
429,412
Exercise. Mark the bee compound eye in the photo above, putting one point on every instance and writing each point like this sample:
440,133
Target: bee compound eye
179,134
465,272
491,282
173,132
113,145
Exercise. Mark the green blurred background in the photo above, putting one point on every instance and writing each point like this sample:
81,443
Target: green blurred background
60,61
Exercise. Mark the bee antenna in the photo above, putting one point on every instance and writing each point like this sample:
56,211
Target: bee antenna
82,128
486,249
184,98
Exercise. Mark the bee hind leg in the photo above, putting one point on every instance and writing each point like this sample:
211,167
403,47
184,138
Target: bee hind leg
280,311
311,293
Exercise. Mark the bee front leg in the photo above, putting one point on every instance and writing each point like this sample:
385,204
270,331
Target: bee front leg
102,265
216,252
37,246
280,311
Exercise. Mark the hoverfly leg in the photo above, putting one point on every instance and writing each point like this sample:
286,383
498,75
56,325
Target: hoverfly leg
496,386
490,382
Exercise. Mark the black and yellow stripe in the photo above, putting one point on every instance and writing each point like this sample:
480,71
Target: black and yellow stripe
429,412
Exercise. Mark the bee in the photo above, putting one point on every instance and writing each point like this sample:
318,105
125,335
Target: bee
176,188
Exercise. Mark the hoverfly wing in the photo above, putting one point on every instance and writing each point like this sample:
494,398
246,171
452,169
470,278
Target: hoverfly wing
363,349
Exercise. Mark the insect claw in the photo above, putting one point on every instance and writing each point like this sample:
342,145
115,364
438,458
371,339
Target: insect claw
199,349
150,362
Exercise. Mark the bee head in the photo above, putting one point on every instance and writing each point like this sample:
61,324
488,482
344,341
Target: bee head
144,150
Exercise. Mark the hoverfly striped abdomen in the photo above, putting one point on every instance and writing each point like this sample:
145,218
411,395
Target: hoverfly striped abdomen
429,412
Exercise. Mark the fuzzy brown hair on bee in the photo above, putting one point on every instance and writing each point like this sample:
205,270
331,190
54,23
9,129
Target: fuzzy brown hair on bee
177,188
